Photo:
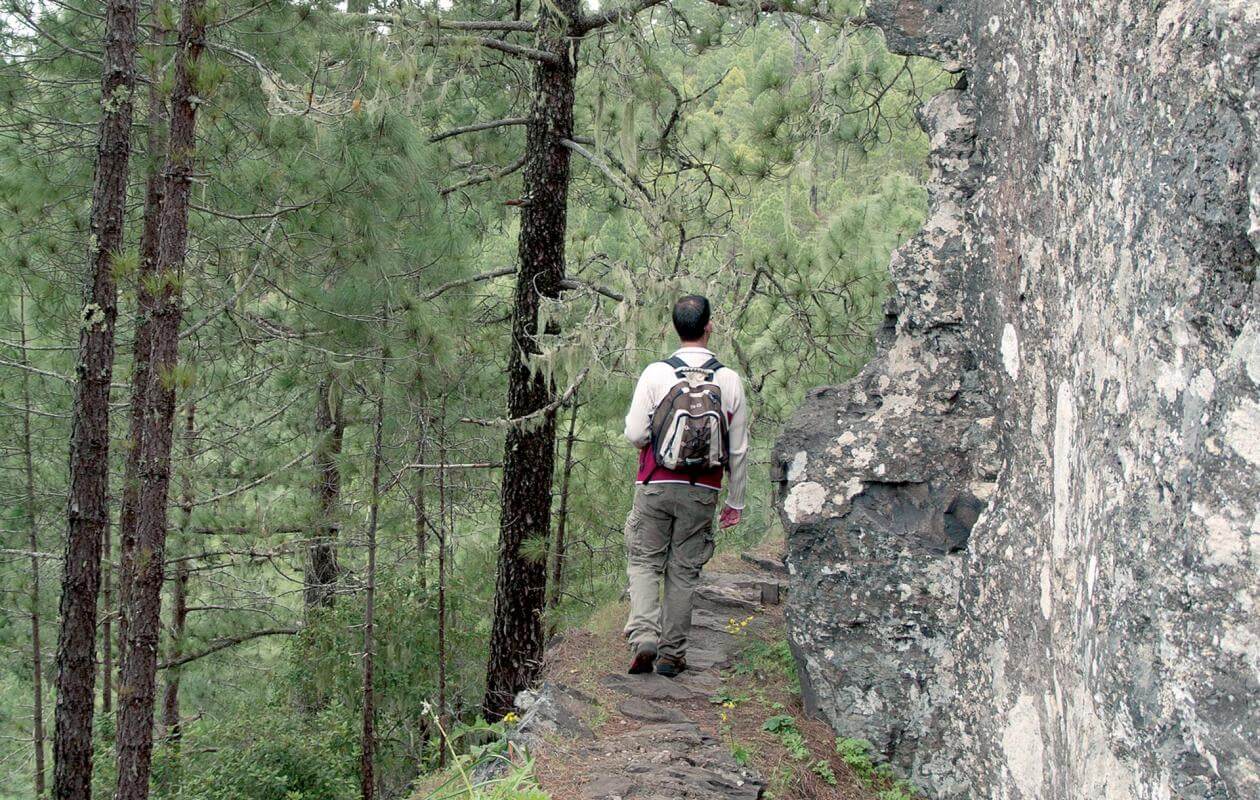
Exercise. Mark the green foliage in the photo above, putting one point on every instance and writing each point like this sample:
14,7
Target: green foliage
880,776
773,659
271,756
784,727
725,694
822,768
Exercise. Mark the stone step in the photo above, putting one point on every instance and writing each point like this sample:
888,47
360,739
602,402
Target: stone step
673,760
775,565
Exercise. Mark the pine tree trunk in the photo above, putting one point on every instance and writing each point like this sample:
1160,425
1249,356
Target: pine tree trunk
179,627
321,565
37,662
88,509
107,613
422,515
137,686
179,599
562,517
146,308
529,452
367,756
441,642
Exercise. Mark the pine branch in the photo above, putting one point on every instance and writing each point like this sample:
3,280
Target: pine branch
548,409
490,43
451,24
479,126
484,276
604,167
489,176
577,283
591,22
225,643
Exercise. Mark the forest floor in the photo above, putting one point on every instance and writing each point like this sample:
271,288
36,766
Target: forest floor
732,726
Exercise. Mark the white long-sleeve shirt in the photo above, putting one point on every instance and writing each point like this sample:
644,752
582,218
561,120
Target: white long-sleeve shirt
657,379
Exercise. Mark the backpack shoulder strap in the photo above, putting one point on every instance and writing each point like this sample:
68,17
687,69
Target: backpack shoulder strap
676,363
712,365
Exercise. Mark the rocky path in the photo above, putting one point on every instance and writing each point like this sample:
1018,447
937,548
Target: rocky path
597,733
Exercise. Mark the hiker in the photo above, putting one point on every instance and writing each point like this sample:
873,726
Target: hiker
689,419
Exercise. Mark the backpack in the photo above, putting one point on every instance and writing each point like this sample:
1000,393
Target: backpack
689,427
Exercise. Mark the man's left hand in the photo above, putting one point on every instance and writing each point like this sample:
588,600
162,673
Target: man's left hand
730,517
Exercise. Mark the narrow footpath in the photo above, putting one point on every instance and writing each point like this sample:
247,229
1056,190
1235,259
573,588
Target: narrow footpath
597,733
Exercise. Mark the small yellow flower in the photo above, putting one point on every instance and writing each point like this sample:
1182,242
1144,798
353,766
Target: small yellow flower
728,704
724,716
510,718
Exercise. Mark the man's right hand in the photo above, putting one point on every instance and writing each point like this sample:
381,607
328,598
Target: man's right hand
729,518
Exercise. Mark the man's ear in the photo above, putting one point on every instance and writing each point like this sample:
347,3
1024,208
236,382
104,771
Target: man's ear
708,326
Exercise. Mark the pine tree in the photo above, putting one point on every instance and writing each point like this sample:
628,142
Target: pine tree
88,512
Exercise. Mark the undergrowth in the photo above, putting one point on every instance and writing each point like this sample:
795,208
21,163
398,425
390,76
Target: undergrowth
876,775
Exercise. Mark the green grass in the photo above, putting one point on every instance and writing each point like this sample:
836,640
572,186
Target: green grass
772,659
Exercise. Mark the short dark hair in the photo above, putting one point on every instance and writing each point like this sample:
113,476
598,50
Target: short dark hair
691,314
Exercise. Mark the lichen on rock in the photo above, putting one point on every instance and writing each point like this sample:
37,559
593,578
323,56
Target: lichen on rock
1024,540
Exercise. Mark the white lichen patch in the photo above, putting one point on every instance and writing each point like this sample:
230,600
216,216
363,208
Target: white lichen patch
1242,430
1023,746
1063,420
1171,380
796,470
1010,351
804,500
1246,351
1203,385
1224,543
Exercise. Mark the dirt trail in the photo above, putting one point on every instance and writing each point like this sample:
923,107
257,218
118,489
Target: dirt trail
597,733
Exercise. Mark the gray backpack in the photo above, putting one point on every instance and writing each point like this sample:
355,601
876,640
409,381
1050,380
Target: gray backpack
689,427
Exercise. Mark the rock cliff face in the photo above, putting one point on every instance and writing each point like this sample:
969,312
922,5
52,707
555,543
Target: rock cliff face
1025,540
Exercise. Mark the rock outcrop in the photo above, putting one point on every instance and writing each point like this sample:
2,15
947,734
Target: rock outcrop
1025,540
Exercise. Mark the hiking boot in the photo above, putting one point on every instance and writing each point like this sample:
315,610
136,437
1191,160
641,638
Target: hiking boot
644,656
670,667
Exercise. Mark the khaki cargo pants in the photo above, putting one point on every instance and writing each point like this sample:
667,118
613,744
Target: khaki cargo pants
669,534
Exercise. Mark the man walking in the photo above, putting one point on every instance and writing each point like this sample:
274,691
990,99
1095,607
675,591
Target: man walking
690,421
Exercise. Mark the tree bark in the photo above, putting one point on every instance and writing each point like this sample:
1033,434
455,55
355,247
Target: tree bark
179,591
367,754
421,513
558,552
146,308
441,642
529,451
37,656
137,686
87,508
108,612
321,565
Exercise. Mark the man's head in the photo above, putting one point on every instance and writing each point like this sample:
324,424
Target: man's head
691,318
